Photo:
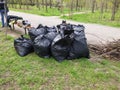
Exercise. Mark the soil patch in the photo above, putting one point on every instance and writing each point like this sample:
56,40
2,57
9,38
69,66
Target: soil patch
13,33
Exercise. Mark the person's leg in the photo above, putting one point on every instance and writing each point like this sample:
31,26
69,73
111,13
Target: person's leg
2,18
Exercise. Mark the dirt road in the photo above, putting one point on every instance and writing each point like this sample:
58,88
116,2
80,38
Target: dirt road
95,33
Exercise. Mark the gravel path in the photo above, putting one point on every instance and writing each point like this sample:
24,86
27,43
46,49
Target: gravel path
95,33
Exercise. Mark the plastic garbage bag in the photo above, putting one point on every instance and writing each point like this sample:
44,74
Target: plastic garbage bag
23,46
33,32
39,26
51,35
42,46
60,47
65,29
79,46
51,29
42,43
78,49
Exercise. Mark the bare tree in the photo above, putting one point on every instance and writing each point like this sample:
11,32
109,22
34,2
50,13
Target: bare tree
20,4
43,2
38,4
46,5
71,9
102,6
50,3
106,5
93,5
77,4
27,4
114,9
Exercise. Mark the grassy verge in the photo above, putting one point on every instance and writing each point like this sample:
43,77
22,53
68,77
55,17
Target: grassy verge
35,73
96,18
42,11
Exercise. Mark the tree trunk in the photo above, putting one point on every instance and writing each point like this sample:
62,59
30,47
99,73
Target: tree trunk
12,5
93,5
50,3
38,4
62,6
20,4
106,6
71,9
46,6
43,4
102,7
27,5
114,9
77,3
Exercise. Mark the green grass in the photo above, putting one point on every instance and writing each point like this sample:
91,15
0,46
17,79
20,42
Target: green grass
42,12
34,10
34,73
96,18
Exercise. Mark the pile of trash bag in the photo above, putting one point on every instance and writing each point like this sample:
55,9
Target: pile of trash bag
63,42
42,43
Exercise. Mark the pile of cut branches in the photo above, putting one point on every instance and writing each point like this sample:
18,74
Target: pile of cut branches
110,50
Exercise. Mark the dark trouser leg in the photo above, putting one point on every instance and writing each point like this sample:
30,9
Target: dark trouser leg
2,18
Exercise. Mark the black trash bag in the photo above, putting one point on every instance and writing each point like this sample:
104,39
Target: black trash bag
64,28
51,29
39,26
60,47
63,24
51,35
42,46
78,49
23,46
33,33
79,46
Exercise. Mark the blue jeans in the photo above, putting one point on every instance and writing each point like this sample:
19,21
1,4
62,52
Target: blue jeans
2,17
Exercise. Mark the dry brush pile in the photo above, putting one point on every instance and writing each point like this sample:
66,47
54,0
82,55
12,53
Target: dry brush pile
111,50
